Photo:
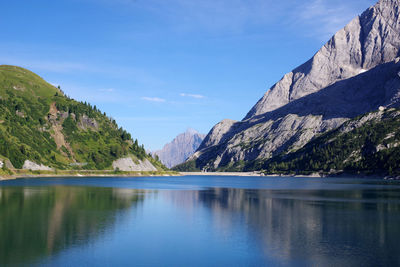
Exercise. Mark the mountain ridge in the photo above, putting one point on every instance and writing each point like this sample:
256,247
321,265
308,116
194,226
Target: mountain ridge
355,72
361,46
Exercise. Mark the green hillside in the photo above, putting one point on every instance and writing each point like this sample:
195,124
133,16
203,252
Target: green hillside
39,123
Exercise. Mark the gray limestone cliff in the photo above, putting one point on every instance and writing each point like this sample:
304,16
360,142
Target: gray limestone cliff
181,148
356,72
367,41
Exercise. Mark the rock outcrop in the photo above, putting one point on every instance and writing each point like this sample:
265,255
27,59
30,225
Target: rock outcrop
180,149
356,72
128,164
30,165
85,123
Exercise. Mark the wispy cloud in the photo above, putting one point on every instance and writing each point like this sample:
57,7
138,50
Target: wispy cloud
218,16
191,95
316,18
325,17
54,84
95,95
107,90
43,65
153,99
136,74
153,119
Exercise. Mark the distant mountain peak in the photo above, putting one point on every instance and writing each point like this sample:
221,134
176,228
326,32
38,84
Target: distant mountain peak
191,131
180,148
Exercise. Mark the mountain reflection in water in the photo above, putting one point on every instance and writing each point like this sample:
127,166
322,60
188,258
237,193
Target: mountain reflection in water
39,221
292,223
300,227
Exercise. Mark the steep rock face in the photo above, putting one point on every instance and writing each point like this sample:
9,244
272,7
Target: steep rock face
219,133
181,148
366,144
367,41
355,72
127,164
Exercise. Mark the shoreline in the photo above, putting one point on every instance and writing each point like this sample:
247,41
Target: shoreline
86,174
313,175
94,173
221,174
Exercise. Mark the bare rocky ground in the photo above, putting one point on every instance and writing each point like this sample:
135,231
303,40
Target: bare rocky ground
128,164
30,165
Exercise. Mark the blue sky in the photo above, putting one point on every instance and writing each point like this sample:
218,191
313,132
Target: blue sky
161,66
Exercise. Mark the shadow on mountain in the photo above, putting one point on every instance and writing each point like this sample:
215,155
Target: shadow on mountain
344,99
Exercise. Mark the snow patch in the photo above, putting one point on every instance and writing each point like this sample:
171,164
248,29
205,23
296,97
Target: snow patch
362,71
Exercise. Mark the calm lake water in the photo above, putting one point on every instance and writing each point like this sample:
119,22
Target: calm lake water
199,221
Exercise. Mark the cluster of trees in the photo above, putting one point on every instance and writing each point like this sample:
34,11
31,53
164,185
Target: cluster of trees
28,136
354,151
97,147
20,135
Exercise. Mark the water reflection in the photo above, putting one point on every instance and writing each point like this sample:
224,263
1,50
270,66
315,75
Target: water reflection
329,225
40,221
303,227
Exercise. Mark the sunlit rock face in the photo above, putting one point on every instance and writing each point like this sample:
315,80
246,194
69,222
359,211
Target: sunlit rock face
367,41
128,164
355,72
30,165
181,148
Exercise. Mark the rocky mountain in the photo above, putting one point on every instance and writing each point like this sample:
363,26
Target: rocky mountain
180,149
355,72
42,129
368,143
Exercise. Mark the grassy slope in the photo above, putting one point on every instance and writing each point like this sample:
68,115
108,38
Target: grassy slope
27,128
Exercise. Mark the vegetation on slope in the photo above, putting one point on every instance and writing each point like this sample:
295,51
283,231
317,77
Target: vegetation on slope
368,144
38,122
56,215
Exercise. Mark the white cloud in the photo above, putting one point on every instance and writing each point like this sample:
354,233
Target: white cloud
227,16
139,75
51,66
326,17
316,18
191,95
107,90
54,84
153,99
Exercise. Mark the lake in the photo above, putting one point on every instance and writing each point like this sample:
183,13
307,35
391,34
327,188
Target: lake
199,221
